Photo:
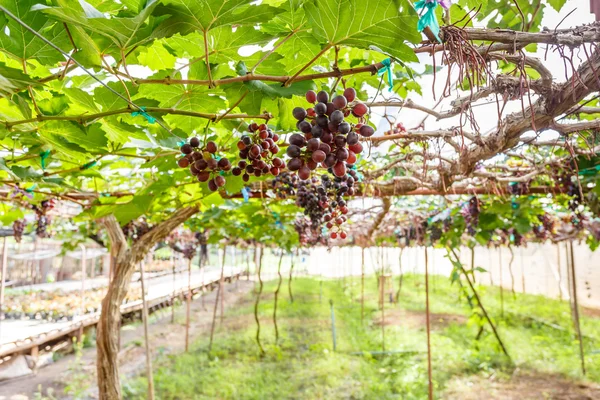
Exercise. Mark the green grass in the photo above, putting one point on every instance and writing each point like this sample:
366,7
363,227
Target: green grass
305,366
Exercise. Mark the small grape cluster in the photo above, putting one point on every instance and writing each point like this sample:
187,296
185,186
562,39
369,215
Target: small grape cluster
285,184
395,129
570,186
42,218
470,213
204,164
333,197
135,229
308,234
18,229
327,139
258,149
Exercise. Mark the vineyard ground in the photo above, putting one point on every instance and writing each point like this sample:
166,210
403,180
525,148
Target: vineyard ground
73,376
304,365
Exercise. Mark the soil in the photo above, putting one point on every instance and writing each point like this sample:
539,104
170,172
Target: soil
166,338
417,319
521,386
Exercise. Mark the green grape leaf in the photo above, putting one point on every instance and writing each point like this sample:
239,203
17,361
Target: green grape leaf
365,23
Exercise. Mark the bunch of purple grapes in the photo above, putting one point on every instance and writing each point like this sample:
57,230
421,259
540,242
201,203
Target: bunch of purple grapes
327,139
18,229
135,229
285,184
258,149
204,164
470,213
308,234
42,218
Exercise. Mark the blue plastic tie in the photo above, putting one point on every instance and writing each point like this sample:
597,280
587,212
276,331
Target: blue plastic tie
88,165
428,19
144,114
245,194
387,67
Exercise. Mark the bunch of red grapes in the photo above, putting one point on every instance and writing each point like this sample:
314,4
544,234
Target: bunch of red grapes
470,213
308,234
395,129
258,149
327,139
204,164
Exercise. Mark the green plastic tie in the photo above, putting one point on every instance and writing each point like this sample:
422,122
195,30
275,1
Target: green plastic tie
88,165
387,67
30,189
143,113
43,156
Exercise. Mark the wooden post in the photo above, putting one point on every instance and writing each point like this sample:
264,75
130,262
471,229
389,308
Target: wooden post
83,273
275,298
362,286
3,280
427,322
188,307
202,281
401,275
522,270
174,290
222,284
146,337
260,288
501,287
219,294
575,308
560,296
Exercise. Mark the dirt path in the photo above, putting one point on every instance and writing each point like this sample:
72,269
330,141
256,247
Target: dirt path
166,338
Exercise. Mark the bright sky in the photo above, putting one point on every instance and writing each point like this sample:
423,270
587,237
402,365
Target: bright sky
487,115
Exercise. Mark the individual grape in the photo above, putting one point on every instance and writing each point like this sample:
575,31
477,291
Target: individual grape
339,102
352,138
366,131
304,126
212,185
297,140
339,140
201,165
194,142
351,158
274,171
316,131
211,147
212,163
344,128
193,169
327,137
343,235
357,148
311,96
339,169
330,109
319,156
183,162
322,96
220,181
278,162
311,164
245,177
342,154
224,164
325,148
304,173
293,151
337,117
330,160
247,140
203,176
186,148
333,235
18,229
241,145
236,171
299,113
322,121
359,110
321,108
294,164
350,94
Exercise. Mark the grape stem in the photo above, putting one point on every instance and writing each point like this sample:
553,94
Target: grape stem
292,33
308,64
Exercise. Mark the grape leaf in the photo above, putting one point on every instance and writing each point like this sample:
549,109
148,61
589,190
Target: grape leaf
364,23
